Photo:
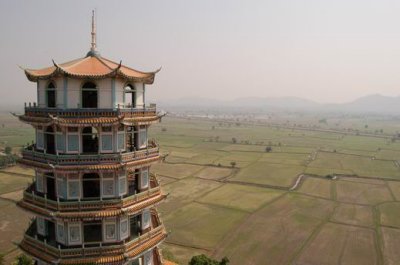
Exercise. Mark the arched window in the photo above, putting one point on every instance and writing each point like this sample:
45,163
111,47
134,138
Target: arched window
49,140
89,95
90,140
51,95
130,96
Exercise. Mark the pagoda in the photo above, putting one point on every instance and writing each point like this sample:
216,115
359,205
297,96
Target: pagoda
93,197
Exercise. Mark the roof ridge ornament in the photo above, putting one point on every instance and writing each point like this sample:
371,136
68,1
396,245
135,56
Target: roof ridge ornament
93,47
93,44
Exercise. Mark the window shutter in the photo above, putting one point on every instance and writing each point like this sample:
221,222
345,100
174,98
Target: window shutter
39,139
40,225
74,234
73,189
106,142
121,141
122,185
73,143
60,140
61,187
124,228
60,232
39,182
145,219
144,179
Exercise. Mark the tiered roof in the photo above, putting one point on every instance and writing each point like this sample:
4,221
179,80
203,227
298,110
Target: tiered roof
92,66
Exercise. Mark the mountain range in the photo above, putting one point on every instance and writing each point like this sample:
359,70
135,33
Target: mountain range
368,104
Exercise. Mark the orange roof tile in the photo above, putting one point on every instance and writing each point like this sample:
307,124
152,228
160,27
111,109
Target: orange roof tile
130,164
91,67
131,209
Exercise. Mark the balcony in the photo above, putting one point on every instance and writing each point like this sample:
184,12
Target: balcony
119,252
31,154
32,198
35,111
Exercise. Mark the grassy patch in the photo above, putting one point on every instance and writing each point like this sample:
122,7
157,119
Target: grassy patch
214,173
9,183
271,174
175,170
340,244
201,225
242,197
185,191
275,232
353,214
391,243
390,214
13,222
363,193
316,187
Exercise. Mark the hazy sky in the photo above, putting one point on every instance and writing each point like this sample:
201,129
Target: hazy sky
328,51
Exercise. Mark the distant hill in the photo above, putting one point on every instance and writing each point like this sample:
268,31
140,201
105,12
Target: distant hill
369,104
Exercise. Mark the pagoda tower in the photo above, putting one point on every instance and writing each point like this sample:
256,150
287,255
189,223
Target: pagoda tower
93,197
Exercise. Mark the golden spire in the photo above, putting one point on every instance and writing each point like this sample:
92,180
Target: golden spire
93,48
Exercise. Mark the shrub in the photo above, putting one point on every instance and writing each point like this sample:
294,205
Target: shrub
204,260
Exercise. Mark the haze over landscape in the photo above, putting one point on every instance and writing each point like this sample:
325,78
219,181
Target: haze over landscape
274,138
324,51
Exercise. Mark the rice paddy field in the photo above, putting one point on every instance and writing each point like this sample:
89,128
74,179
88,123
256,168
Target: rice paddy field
329,196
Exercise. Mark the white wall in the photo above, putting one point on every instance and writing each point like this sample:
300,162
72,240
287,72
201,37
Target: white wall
139,95
104,93
59,83
73,92
119,92
41,100
74,89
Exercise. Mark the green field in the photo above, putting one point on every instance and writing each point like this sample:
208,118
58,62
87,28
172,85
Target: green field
322,221
232,198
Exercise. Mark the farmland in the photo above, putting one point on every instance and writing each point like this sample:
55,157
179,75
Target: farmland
229,196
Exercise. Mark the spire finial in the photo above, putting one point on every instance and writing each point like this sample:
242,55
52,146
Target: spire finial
93,48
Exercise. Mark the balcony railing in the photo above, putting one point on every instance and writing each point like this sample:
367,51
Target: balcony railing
90,159
37,199
137,246
34,110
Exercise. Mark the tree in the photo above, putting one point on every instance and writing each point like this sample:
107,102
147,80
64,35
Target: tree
23,260
268,149
204,260
233,163
1,259
234,140
7,150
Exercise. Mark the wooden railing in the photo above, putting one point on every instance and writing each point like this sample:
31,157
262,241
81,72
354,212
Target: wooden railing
40,200
120,248
34,110
82,159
